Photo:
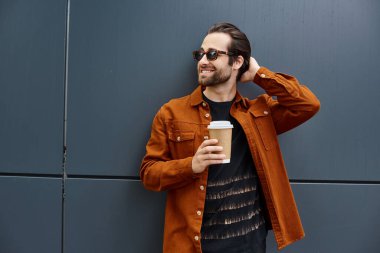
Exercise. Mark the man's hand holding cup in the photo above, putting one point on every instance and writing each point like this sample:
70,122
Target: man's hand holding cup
206,155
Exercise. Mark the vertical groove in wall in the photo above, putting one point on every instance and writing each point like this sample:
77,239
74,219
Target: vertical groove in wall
64,175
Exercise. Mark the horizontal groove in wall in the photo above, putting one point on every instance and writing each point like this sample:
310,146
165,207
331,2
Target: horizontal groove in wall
103,177
316,181
8,174
136,178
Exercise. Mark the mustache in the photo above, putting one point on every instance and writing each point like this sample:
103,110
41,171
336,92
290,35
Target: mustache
205,66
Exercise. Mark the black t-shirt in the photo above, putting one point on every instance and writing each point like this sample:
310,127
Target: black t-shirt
233,219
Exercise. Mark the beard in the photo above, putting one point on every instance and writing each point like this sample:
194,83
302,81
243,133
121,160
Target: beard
219,76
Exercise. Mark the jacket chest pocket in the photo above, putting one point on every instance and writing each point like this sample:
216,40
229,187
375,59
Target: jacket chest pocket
181,143
264,124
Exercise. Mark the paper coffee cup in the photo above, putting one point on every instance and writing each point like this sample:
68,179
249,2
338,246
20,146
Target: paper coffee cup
222,131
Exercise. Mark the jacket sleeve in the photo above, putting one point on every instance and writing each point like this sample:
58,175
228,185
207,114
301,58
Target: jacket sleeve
158,171
295,103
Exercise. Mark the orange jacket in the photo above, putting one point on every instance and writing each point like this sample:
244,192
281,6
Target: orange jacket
180,126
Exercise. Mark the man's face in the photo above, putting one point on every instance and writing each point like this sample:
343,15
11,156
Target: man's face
212,73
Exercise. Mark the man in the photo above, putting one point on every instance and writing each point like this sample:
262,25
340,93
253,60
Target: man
217,207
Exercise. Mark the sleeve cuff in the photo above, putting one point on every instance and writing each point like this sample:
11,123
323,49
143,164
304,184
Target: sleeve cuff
273,83
263,74
187,170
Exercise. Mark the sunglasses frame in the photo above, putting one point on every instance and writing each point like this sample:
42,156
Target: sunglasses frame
218,52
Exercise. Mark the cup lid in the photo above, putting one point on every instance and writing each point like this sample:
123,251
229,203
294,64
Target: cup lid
221,124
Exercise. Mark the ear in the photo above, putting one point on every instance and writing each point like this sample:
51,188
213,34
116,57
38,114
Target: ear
238,62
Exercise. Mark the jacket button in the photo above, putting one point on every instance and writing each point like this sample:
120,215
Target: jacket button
178,138
262,75
266,112
199,213
204,104
196,238
205,137
207,115
201,187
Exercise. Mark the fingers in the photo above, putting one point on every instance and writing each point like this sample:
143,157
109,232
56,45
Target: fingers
207,154
211,149
212,157
212,162
209,159
209,142
208,146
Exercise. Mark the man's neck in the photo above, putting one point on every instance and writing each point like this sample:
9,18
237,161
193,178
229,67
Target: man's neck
220,93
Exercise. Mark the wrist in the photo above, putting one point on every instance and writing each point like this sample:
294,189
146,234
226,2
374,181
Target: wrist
255,70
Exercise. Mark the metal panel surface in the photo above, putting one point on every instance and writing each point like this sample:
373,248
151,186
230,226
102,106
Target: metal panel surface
336,218
129,57
30,215
323,43
32,43
119,216
115,216
118,78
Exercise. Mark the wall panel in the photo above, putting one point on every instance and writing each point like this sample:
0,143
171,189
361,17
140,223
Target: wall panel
30,215
336,218
32,44
128,58
115,216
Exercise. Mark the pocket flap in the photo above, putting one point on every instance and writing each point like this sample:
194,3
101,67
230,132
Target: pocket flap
260,112
179,136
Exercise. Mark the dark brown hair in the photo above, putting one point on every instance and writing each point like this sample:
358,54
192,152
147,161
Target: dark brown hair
239,44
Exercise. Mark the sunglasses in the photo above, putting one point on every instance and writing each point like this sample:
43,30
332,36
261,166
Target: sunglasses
211,54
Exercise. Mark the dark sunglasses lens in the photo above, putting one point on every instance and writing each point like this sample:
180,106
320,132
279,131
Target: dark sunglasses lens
212,55
198,55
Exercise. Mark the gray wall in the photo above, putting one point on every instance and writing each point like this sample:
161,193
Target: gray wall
80,82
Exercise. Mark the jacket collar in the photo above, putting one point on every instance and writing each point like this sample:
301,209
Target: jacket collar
196,97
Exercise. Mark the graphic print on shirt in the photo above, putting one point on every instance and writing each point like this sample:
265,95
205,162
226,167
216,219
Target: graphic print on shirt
232,208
